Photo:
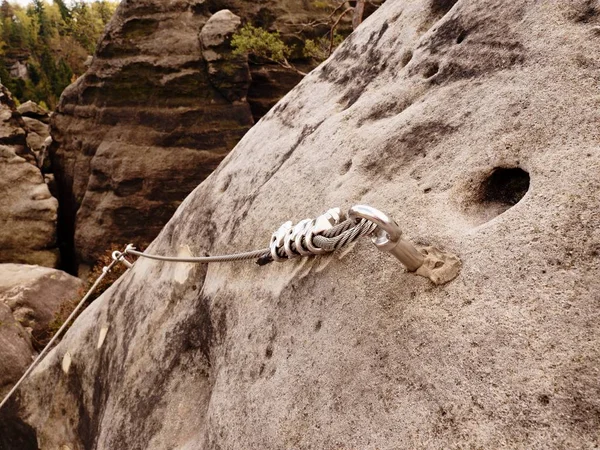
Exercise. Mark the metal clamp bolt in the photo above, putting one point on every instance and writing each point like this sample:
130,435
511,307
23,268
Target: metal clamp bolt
388,236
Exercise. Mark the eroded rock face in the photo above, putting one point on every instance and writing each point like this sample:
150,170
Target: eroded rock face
36,122
141,128
16,350
28,212
163,102
474,123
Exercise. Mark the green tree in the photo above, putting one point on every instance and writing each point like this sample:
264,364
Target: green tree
264,45
53,40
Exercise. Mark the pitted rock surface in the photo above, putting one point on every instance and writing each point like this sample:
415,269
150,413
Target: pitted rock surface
475,125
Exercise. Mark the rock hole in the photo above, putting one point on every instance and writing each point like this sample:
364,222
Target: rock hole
431,69
544,399
505,186
406,57
269,351
461,37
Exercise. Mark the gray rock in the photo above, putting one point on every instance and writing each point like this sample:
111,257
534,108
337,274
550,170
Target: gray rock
474,124
12,131
16,351
37,135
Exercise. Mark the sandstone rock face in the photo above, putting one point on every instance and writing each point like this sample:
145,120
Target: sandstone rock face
163,102
28,212
35,295
474,123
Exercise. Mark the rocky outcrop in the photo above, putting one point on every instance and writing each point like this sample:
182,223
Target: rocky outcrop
36,123
474,123
227,72
28,212
12,131
162,103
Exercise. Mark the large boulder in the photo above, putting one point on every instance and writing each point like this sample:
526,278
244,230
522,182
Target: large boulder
475,124
28,211
37,296
163,102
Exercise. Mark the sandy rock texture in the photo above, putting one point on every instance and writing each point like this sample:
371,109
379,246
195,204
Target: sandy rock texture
475,125
28,211
162,103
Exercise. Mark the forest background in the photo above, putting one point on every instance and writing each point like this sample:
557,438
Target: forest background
45,46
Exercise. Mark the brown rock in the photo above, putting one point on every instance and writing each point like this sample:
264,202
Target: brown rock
228,73
12,131
28,213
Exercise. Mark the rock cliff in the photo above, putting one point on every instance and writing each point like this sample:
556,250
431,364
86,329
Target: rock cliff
475,124
162,103
28,211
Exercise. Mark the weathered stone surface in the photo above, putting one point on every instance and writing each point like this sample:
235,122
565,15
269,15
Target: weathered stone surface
141,128
27,213
36,294
475,124
12,131
16,351
38,134
160,106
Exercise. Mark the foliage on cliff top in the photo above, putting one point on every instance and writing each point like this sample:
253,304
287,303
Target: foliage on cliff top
51,41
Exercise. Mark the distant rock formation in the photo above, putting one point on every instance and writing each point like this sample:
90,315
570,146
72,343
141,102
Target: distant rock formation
161,105
28,211
475,124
